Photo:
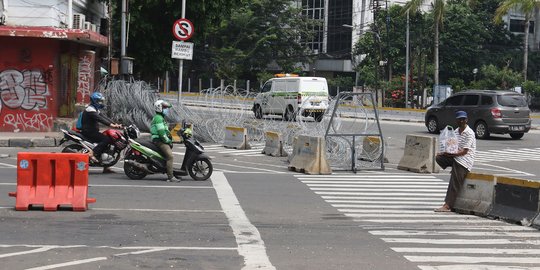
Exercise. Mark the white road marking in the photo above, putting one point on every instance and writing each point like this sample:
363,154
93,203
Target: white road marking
456,233
475,267
506,251
252,168
467,259
250,244
72,263
8,165
439,241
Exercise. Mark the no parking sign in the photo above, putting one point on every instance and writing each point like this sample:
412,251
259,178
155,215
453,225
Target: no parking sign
182,29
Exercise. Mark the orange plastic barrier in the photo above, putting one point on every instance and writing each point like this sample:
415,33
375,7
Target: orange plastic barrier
52,180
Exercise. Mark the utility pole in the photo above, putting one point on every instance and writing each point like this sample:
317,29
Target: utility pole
181,61
123,34
407,64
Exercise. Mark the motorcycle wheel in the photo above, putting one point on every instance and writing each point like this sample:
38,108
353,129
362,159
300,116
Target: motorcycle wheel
74,148
201,169
132,171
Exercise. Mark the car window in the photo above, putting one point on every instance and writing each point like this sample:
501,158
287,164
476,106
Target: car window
471,100
512,100
486,100
266,88
454,101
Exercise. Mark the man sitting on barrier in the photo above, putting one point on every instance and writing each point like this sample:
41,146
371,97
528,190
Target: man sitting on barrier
461,162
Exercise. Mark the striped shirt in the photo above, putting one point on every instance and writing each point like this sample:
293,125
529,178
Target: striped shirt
466,141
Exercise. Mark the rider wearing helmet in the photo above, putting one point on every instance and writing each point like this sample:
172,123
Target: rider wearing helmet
161,136
91,118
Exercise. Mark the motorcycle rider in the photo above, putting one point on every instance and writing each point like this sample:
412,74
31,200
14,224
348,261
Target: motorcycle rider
161,136
91,118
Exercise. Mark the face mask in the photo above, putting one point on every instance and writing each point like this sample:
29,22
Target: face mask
166,111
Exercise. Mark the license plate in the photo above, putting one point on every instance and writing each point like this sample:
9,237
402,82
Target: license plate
517,128
314,110
315,103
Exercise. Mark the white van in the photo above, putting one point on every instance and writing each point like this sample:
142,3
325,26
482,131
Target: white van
292,96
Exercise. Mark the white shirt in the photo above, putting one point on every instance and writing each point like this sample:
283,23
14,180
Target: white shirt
466,141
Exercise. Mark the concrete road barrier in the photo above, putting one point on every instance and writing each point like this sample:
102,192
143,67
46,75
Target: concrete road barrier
236,137
372,150
419,155
273,145
516,200
309,156
476,195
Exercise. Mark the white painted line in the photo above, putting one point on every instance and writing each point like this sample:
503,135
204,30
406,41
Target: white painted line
250,244
158,210
245,167
37,250
384,189
8,165
506,251
435,202
366,176
456,233
381,183
383,194
439,241
381,186
386,206
433,215
387,211
152,186
381,198
467,259
72,263
509,170
474,267
434,221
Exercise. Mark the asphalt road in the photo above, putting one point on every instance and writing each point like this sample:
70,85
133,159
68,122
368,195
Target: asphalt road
254,211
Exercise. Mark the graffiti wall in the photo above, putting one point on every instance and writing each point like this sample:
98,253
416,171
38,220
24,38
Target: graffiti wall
85,83
28,75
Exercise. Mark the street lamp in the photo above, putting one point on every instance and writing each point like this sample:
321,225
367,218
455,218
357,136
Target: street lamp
474,71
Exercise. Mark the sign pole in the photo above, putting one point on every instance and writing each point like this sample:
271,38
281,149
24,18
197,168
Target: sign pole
181,61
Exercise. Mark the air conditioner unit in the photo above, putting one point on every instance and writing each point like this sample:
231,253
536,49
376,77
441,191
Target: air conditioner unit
78,21
86,25
93,27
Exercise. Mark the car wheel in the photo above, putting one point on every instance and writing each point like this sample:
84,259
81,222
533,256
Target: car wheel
481,130
289,114
517,136
433,125
258,112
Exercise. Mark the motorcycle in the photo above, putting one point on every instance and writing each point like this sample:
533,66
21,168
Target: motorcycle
112,152
144,157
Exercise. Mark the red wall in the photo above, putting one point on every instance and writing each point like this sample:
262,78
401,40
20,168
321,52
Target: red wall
28,83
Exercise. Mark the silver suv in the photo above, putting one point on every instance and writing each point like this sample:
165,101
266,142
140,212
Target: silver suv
489,111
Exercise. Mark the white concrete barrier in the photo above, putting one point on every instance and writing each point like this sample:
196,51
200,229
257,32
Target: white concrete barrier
309,156
476,195
372,150
236,137
419,155
273,145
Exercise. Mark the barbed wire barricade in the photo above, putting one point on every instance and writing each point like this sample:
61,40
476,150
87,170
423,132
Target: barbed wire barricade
351,115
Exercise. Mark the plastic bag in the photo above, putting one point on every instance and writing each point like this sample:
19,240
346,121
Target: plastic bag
448,141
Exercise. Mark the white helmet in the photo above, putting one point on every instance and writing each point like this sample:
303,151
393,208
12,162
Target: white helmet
160,105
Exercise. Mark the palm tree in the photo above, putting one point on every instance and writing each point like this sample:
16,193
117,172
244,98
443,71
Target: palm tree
527,8
438,12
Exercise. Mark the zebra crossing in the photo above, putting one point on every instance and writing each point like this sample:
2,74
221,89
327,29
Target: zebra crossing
256,150
519,154
398,208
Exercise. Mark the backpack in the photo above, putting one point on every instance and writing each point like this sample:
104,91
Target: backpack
78,125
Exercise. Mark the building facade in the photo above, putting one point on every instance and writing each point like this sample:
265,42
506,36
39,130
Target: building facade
344,21
50,53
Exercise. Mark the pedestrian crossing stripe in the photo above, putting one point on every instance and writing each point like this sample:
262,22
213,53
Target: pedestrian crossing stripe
398,208
521,154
